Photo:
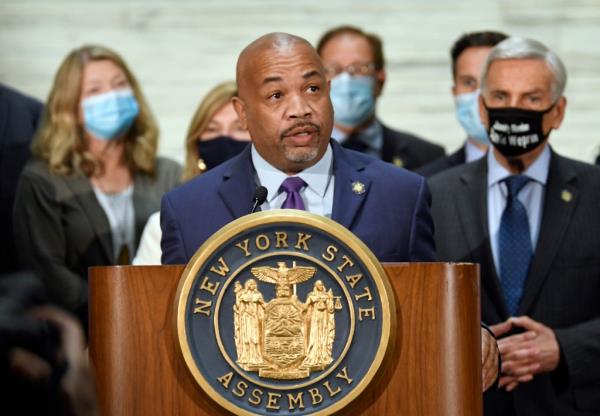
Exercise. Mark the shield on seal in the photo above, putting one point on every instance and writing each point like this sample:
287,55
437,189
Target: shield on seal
284,339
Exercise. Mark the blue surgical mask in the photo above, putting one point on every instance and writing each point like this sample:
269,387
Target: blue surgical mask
467,113
353,99
107,116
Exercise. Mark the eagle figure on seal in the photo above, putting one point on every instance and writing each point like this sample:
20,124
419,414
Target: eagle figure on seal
283,277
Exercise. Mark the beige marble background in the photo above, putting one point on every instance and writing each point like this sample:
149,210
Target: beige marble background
179,49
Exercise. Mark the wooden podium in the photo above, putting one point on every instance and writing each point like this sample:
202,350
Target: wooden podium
433,369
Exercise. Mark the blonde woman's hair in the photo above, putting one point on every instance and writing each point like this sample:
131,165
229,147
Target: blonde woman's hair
210,105
60,140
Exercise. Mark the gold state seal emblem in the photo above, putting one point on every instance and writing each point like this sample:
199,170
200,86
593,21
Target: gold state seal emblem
297,337
282,313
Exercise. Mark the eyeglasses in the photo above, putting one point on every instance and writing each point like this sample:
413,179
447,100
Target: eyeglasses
354,70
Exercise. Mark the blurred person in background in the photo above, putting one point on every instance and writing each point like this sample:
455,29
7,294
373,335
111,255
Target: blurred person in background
355,64
44,367
19,119
468,54
85,197
214,136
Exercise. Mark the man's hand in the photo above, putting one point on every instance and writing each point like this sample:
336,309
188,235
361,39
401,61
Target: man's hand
78,381
526,354
489,359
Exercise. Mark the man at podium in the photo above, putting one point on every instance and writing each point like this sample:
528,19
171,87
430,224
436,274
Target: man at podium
285,105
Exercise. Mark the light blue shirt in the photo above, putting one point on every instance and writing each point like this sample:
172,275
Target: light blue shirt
317,195
472,152
371,137
532,197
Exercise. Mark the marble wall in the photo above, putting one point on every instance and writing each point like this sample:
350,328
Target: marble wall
179,49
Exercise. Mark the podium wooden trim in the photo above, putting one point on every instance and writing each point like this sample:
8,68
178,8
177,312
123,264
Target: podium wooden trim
434,367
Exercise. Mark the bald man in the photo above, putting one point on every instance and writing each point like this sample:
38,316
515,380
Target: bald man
284,103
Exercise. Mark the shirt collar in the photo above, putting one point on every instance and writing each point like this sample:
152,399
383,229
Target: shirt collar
317,177
472,152
538,171
371,136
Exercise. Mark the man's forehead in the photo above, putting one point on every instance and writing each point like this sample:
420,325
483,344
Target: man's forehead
277,62
347,48
519,74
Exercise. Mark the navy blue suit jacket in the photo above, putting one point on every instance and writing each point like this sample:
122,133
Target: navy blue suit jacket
19,117
391,217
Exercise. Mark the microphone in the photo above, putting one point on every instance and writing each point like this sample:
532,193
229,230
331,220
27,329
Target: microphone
260,196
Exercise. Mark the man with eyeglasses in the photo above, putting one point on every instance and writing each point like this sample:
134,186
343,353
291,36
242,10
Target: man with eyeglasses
354,63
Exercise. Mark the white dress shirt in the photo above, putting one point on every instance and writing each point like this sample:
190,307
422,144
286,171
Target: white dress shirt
149,252
317,195
371,137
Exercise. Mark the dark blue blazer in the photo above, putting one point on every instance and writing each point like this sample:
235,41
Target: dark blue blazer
19,117
391,217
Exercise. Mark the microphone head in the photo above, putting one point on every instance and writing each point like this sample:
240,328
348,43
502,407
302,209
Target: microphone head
260,195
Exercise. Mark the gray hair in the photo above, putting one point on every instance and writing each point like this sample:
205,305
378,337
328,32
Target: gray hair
522,48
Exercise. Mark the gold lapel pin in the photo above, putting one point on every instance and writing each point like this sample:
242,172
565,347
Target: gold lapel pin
397,161
358,187
566,195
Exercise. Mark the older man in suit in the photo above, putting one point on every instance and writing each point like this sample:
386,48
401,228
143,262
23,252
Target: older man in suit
530,218
284,103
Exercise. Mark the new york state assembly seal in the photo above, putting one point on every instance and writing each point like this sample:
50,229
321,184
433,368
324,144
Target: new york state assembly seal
284,313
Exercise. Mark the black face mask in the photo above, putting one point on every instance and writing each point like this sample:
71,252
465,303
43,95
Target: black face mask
215,151
515,131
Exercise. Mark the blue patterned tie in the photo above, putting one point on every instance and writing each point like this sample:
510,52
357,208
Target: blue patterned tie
515,244
292,187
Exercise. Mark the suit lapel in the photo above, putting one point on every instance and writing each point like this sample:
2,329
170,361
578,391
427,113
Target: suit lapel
459,157
472,206
351,186
557,213
392,150
82,189
237,188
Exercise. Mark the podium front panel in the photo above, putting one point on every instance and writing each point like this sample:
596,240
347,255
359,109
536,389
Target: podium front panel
433,367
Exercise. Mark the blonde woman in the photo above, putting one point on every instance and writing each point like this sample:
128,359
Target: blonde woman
214,135
94,180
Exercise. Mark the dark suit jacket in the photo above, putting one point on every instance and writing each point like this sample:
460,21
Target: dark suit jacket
19,116
563,287
61,229
391,217
402,149
457,158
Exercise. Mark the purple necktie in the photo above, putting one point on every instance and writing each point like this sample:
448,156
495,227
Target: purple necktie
292,186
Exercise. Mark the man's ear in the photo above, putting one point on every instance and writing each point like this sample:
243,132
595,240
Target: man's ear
483,114
559,112
379,81
240,109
